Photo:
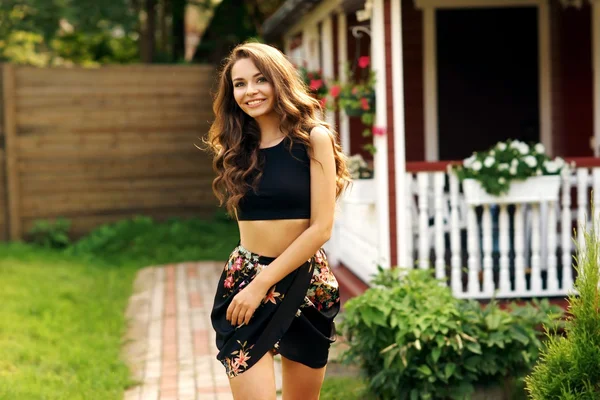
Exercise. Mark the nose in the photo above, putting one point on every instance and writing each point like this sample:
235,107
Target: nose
251,90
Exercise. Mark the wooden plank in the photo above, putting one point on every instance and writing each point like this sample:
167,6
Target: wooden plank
113,116
159,90
109,128
56,184
64,203
10,131
199,101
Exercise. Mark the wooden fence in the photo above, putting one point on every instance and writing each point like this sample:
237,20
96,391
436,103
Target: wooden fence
99,145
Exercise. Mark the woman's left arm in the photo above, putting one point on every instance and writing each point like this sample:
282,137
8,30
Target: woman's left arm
322,205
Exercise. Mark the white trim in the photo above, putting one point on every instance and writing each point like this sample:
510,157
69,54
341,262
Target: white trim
545,76
327,62
596,71
430,86
315,16
310,47
342,39
380,142
399,132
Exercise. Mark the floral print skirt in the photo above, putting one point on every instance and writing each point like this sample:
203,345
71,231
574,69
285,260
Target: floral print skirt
294,319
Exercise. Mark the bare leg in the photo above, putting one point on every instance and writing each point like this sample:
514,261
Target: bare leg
257,383
301,382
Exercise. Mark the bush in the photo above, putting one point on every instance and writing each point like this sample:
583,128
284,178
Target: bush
144,241
51,234
414,340
569,367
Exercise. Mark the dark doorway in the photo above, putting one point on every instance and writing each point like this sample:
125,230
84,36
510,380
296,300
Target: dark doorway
487,63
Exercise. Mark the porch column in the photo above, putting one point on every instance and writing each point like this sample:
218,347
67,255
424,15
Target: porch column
380,142
342,36
596,71
327,61
399,134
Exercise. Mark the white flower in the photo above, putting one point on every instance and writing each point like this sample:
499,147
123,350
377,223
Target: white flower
488,162
468,162
502,167
560,162
501,180
515,144
513,170
539,148
514,163
501,146
552,166
530,161
476,166
492,153
523,148
538,171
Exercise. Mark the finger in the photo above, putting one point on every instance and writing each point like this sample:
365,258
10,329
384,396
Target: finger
229,311
248,316
234,314
240,316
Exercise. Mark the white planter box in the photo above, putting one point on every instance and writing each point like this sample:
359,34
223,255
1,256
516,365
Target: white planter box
532,190
361,191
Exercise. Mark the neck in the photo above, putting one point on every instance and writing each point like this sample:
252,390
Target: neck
269,127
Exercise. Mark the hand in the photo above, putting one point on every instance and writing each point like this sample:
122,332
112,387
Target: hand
244,304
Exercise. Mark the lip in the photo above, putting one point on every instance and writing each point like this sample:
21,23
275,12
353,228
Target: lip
255,105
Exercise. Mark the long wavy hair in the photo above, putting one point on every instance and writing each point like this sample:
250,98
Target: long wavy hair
234,137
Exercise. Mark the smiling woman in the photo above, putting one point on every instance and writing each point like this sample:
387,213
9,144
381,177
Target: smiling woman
279,172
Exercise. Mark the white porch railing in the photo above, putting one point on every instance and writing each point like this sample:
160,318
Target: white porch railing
506,251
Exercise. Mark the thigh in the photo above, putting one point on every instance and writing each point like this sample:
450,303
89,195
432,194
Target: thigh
257,383
301,382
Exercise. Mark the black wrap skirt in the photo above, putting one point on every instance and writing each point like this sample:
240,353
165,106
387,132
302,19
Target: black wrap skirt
294,319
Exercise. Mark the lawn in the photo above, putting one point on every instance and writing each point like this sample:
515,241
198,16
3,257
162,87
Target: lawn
62,310
62,315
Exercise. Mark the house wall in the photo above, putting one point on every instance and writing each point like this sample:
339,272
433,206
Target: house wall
572,80
412,52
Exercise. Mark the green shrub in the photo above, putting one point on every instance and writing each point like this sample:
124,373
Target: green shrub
569,367
414,340
144,241
50,234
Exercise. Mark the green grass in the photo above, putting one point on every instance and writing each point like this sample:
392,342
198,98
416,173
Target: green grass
62,312
346,388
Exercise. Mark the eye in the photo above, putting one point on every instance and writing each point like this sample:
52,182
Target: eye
238,84
262,79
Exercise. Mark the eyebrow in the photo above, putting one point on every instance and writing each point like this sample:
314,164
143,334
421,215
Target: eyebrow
254,76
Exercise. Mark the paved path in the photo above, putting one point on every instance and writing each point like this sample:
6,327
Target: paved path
170,345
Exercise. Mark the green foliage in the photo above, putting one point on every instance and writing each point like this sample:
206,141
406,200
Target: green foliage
143,241
569,366
41,32
505,162
50,234
414,340
346,388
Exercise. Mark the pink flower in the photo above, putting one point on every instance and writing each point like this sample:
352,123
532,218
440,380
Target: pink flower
364,104
237,265
379,131
364,61
322,102
316,84
241,359
310,75
335,91
228,282
271,296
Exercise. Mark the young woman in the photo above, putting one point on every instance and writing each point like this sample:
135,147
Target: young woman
279,172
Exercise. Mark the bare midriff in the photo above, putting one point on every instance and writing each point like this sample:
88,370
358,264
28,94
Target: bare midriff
270,238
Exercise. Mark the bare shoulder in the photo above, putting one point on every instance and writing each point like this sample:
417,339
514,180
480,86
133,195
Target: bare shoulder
321,137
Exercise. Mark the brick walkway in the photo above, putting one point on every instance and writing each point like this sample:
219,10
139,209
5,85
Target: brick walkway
170,345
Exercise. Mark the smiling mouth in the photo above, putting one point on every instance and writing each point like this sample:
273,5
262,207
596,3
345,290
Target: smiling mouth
255,103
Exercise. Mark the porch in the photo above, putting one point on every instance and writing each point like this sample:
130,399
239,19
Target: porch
518,250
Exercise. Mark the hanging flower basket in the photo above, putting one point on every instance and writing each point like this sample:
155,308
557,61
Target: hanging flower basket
531,190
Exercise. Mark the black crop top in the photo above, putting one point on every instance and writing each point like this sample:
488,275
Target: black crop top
283,191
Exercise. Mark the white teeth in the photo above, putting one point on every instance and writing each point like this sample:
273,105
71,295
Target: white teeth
254,102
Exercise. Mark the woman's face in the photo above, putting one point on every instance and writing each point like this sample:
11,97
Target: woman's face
251,90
